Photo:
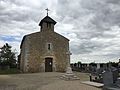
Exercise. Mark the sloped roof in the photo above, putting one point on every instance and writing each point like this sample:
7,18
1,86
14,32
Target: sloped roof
47,19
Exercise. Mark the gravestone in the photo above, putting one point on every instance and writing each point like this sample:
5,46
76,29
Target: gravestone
115,75
107,78
98,65
110,79
104,66
118,82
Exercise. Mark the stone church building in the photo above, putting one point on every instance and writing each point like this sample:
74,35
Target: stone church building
44,51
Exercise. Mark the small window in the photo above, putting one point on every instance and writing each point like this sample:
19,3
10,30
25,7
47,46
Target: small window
49,46
49,25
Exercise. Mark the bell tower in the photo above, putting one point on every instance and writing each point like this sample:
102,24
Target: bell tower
47,23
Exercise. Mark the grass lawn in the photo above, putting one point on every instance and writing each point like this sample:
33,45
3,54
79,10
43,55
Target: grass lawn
10,71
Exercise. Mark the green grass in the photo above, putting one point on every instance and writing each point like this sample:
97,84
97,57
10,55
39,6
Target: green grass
10,71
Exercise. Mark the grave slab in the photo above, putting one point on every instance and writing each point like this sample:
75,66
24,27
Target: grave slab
95,84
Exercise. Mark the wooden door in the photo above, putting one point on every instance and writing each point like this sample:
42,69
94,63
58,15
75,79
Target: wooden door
48,64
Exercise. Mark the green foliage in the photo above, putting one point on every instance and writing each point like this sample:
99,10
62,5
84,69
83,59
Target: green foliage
7,57
93,63
79,62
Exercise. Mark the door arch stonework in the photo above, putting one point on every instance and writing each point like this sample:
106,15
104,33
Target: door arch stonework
42,66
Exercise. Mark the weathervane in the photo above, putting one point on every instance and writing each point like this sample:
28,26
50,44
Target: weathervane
47,11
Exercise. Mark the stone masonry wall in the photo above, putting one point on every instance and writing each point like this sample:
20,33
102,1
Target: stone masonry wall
38,51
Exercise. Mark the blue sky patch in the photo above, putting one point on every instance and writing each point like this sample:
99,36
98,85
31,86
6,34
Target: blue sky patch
10,38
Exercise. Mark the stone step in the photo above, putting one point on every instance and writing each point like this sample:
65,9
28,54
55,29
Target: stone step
95,84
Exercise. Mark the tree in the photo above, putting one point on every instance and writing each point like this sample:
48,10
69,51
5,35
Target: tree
7,57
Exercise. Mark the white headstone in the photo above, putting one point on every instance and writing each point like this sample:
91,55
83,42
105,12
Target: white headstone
98,65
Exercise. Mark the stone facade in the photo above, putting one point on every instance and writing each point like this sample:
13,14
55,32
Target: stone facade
38,47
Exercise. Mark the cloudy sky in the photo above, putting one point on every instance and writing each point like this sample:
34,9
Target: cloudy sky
93,26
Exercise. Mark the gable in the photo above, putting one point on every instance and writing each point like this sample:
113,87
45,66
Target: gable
47,19
39,34
61,36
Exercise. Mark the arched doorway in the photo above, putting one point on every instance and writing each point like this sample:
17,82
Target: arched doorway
48,64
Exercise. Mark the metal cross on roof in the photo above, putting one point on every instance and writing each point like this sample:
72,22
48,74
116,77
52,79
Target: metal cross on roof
47,11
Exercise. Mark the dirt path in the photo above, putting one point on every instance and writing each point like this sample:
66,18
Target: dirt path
42,81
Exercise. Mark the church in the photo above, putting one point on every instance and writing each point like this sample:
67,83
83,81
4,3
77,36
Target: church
44,51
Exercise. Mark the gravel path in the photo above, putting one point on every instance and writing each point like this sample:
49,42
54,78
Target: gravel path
43,81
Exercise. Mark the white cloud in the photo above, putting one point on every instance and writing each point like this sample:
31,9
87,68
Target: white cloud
93,26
